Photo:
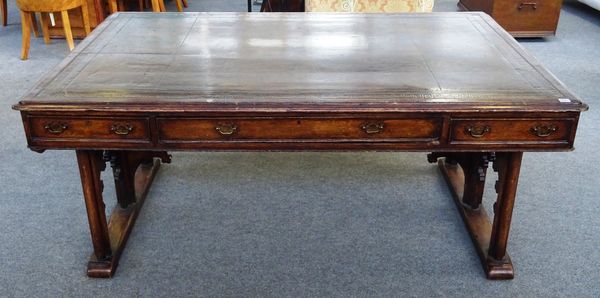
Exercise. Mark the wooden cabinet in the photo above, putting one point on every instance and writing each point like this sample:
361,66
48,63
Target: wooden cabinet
521,18
282,6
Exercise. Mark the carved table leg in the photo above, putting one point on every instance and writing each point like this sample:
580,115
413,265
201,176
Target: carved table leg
466,184
134,172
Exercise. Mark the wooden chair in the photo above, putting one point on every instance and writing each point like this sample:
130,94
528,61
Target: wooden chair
28,9
376,6
157,5
4,12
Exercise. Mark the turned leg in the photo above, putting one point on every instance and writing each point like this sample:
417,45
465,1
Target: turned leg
185,3
85,16
134,173
156,7
112,6
26,31
465,176
67,27
34,26
179,5
45,22
99,10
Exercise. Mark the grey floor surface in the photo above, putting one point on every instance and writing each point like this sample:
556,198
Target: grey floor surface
303,224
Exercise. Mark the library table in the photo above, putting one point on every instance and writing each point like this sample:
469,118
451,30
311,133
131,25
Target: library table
453,84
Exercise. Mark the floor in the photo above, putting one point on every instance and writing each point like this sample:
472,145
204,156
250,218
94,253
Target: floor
303,224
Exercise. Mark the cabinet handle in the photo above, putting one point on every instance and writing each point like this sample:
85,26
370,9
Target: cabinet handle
56,127
121,129
523,4
226,129
543,130
477,131
372,127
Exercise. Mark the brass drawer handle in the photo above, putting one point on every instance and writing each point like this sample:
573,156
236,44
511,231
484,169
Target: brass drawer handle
523,4
121,129
372,127
56,127
543,130
226,129
478,131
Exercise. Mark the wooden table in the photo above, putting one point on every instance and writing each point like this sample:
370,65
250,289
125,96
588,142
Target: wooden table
455,84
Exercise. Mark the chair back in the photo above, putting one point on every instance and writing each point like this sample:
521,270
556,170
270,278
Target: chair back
47,5
376,6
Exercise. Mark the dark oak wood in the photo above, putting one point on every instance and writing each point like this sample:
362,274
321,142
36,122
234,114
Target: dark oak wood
282,6
490,239
133,174
4,12
143,84
521,18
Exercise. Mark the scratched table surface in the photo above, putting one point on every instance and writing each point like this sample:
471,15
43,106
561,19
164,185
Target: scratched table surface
293,59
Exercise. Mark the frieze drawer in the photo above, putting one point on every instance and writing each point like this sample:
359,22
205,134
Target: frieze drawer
98,129
556,131
304,129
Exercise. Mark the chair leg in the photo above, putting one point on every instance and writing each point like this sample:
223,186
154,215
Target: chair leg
85,15
4,11
112,5
122,5
156,7
179,5
141,4
34,26
45,22
67,26
25,25
185,3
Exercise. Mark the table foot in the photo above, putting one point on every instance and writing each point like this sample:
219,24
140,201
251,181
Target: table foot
134,173
477,222
122,221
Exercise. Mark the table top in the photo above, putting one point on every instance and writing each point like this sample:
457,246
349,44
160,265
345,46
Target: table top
300,61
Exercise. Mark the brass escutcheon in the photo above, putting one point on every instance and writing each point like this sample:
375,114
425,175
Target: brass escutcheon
226,129
121,128
543,130
56,127
372,127
477,131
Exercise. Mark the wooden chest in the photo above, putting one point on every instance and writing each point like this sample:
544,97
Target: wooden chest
521,18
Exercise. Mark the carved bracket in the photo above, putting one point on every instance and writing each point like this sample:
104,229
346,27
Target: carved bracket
474,167
125,165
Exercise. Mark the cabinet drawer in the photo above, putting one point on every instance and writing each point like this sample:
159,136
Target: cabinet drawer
511,130
527,15
99,129
304,129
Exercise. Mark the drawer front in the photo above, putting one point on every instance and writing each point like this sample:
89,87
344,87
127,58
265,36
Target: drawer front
541,131
96,129
305,129
527,15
